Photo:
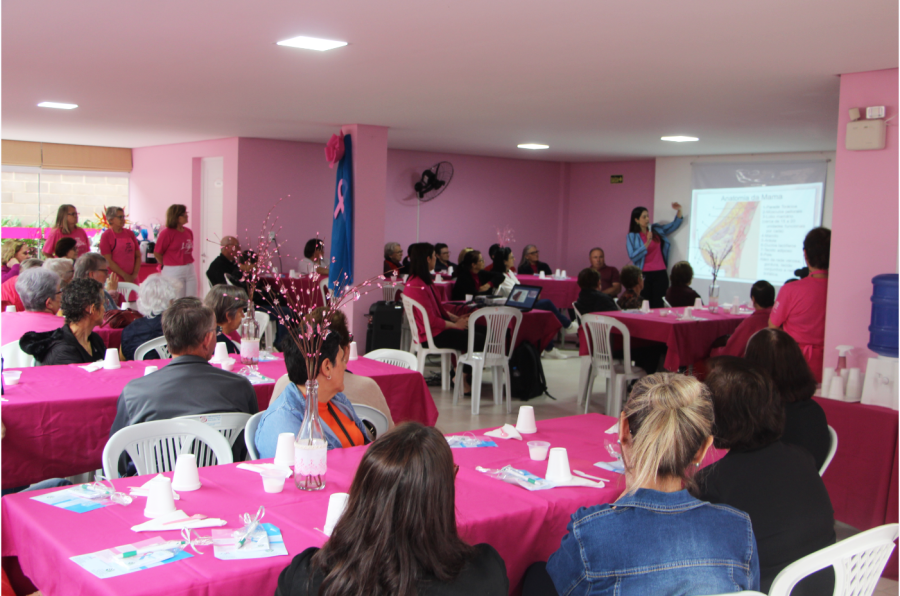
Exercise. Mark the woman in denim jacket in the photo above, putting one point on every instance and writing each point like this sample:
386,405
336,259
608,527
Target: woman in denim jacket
648,248
656,538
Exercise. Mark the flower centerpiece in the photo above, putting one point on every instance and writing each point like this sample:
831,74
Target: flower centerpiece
715,260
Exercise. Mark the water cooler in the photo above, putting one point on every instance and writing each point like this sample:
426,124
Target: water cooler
880,388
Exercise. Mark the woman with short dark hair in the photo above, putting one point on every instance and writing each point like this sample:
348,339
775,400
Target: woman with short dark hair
398,534
313,258
174,250
229,303
777,484
680,293
66,248
648,249
472,279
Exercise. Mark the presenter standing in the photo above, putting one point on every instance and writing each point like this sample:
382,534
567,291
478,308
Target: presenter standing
174,250
648,249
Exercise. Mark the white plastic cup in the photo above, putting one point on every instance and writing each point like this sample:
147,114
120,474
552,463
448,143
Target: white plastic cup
735,308
405,276
227,364
186,477
449,271
688,312
273,480
284,451
854,385
537,450
645,306
293,273
698,303
827,375
845,374
525,424
469,297
336,505
11,308
354,351
221,352
836,389
159,499
438,278
558,465
542,275
150,369
111,361
564,273
11,377
557,273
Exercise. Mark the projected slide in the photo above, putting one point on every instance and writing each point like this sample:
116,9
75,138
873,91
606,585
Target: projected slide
759,230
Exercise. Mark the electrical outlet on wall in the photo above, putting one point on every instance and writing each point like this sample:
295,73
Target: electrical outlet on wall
272,235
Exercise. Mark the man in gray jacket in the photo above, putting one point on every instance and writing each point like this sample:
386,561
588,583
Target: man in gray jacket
189,384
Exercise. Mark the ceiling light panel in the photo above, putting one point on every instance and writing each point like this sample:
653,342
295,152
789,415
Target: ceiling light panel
57,105
679,139
532,146
312,43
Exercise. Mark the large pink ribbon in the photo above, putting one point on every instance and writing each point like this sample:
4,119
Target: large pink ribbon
340,205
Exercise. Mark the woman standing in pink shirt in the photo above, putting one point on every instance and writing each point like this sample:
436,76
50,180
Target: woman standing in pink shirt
120,247
66,226
174,250
800,307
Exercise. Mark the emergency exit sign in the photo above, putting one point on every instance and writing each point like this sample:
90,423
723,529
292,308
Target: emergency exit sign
616,179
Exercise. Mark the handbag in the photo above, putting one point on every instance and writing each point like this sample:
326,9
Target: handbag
119,319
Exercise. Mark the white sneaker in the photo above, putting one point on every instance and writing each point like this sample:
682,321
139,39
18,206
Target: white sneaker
553,354
572,328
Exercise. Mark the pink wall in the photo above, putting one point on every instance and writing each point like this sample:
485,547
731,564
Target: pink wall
598,211
865,193
486,193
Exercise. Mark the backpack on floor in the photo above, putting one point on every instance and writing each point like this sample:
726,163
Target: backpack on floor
526,373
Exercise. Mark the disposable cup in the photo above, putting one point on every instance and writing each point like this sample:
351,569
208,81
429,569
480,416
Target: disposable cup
558,465
645,306
537,450
469,297
354,351
11,377
542,275
564,273
284,451
159,499
273,480
827,375
450,271
845,373
736,301
698,303
405,276
111,361
227,364
854,385
11,308
293,273
735,308
438,278
688,312
525,424
150,369
836,390
221,352
557,273
336,505
186,477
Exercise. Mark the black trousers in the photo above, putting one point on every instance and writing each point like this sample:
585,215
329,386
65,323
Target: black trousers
655,285
458,339
537,581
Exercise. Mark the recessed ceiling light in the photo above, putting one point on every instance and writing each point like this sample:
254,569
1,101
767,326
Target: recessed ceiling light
532,146
679,139
58,106
312,43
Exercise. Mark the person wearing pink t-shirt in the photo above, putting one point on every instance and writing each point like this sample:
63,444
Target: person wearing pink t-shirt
762,297
66,226
174,250
119,247
648,249
41,297
800,307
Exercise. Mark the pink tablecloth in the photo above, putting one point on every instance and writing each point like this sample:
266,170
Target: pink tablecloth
111,337
688,341
561,292
538,326
303,290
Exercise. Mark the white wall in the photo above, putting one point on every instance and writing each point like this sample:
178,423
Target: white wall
673,183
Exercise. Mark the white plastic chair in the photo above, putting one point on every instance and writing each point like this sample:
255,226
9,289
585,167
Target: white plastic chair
389,290
395,357
126,288
228,424
858,562
421,351
577,313
831,450
14,357
378,420
597,333
250,435
159,344
495,355
666,303
154,446
324,290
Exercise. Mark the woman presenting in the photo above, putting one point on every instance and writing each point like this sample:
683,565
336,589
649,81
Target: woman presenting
648,249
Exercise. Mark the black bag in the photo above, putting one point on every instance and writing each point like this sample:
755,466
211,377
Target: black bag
385,326
526,373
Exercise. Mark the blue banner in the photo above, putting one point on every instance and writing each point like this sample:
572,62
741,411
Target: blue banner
340,268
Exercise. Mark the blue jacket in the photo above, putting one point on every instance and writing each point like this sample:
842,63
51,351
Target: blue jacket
636,249
653,542
285,415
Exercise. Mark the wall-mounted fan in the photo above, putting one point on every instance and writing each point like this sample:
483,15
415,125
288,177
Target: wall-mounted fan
434,181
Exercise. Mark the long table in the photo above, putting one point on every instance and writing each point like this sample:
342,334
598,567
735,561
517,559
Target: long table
58,417
561,292
538,327
523,526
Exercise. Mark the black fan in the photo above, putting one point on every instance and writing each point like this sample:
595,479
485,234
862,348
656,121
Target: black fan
434,181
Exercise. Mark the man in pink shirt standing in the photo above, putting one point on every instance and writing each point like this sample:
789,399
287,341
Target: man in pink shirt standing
800,307
39,290
120,247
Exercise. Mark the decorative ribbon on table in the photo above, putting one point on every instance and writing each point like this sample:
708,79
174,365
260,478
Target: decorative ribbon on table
341,265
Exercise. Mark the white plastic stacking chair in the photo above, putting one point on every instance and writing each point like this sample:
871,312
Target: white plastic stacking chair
495,355
832,449
250,435
577,313
395,357
597,332
14,357
421,351
154,446
228,424
324,290
159,344
666,303
126,289
389,290
858,562
369,414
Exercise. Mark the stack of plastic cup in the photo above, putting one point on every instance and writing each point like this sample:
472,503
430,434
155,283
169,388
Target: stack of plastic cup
564,273
827,375
160,500
336,505
558,465
111,362
186,477
293,274
354,351
836,389
525,424
854,385
645,306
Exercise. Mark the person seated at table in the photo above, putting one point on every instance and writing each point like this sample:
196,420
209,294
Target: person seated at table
680,293
93,265
530,263
633,280
8,293
14,253
762,297
75,342
404,268
398,533
505,264
313,258
609,276
341,425
66,248
225,268
592,298
665,431
64,268
777,484
393,255
462,254
444,264
800,307
39,291
805,423
189,384
492,251
229,304
472,279
157,293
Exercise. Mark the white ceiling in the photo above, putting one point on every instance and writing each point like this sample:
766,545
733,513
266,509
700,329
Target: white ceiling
594,79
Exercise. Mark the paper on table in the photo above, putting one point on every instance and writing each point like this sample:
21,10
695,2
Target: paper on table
576,481
69,499
613,466
106,563
260,468
613,429
255,549
162,524
93,366
507,431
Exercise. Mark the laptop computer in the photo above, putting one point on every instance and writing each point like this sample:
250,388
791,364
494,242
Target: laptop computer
523,297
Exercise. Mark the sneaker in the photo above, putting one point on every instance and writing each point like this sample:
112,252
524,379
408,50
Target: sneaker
554,354
572,328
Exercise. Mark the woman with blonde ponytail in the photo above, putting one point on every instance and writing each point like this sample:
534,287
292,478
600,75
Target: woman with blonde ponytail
656,538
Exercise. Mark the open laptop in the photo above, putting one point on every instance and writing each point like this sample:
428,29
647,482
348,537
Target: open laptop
523,297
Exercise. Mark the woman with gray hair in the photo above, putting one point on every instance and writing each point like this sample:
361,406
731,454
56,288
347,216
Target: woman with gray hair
90,265
119,247
393,254
530,265
8,293
228,302
39,290
64,268
157,293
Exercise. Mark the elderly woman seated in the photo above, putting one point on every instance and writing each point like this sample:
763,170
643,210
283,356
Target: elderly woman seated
39,291
66,248
157,293
229,303
64,268
393,257
94,266
75,342
341,425
14,252
8,293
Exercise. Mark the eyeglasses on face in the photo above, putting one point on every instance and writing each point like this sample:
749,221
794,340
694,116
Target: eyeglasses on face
534,252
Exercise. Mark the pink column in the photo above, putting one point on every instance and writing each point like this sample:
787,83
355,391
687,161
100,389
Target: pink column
864,233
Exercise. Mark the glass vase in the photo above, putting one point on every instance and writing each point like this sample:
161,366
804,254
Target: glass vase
250,339
713,298
310,446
